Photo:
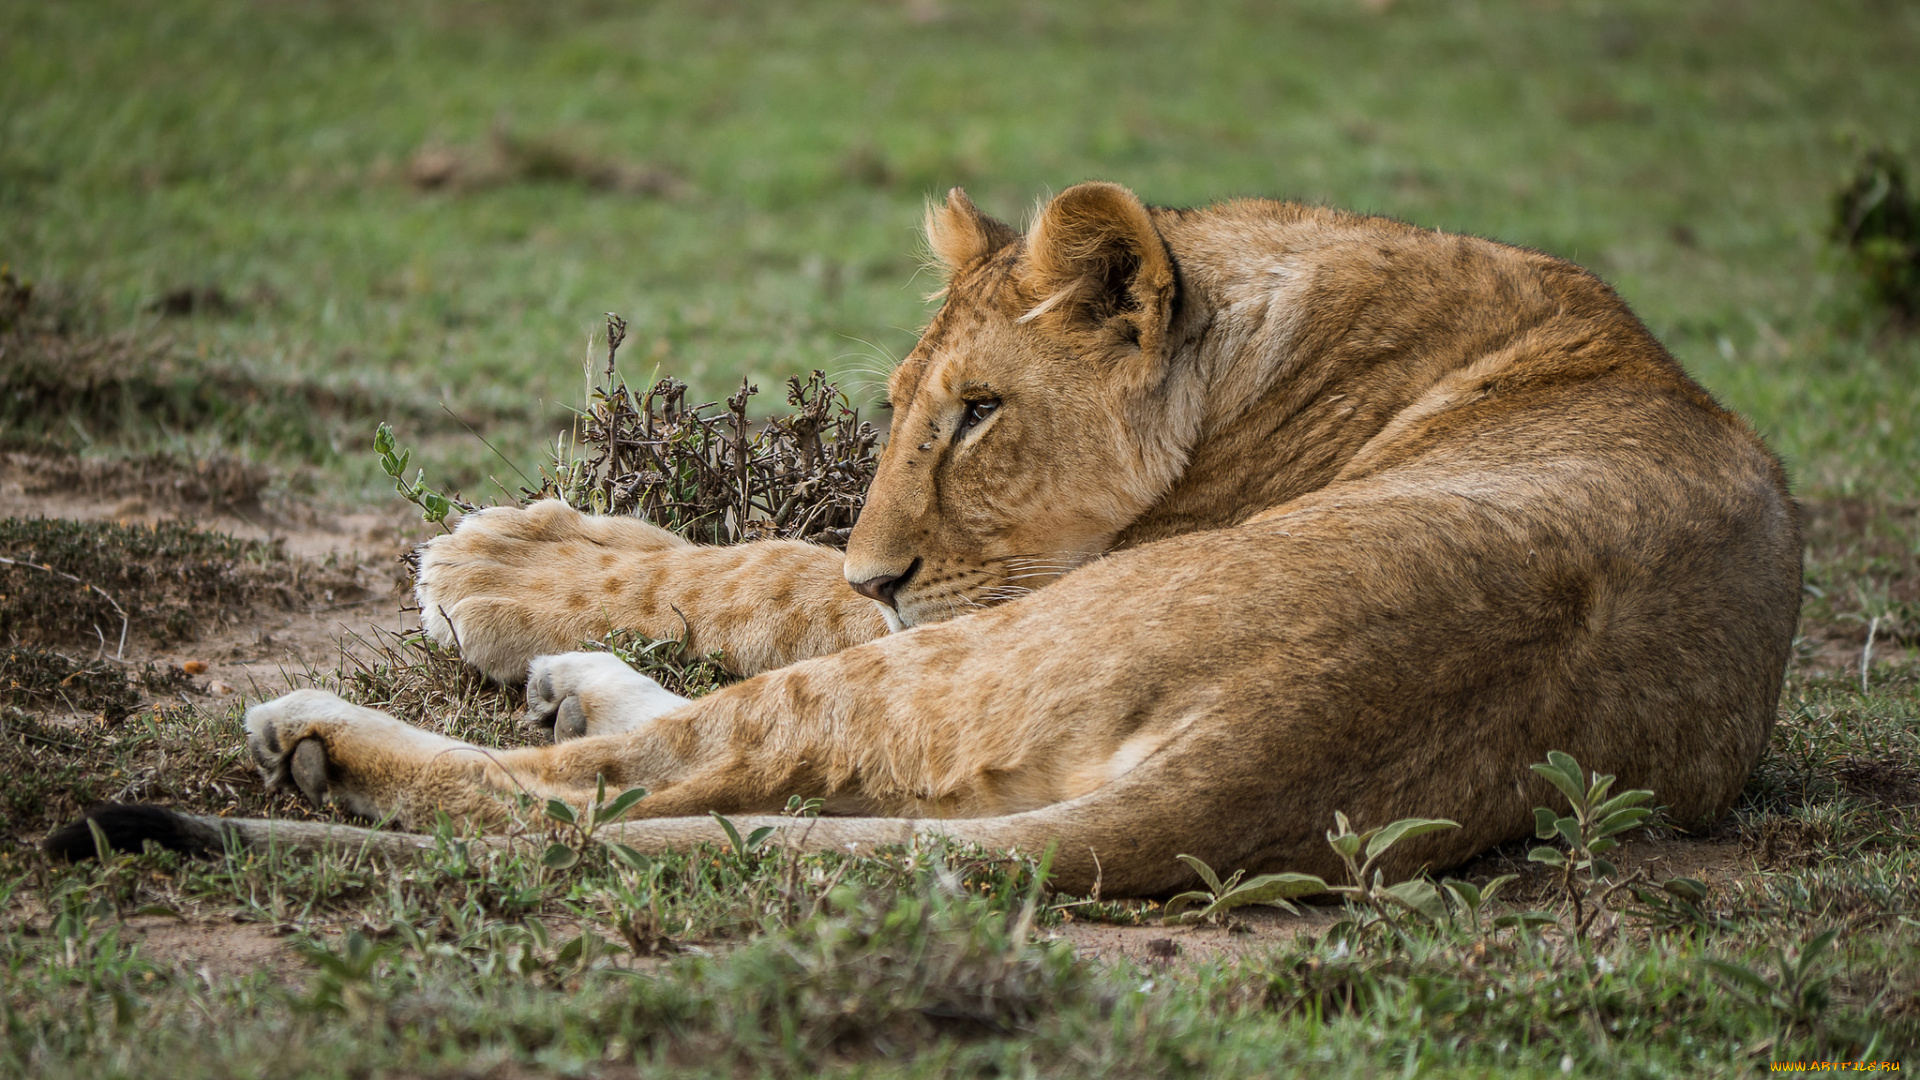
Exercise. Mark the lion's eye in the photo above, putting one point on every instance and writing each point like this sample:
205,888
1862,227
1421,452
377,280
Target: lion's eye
977,412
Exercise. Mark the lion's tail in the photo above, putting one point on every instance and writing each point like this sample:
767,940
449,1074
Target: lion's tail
131,826
1076,865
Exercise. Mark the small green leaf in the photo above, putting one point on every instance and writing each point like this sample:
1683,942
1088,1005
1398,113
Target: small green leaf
733,834
1598,790
1346,845
1526,919
1492,888
1685,888
1622,820
1273,888
561,812
1206,873
1419,897
758,837
1563,772
1184,901
621,803
1406,829
559,857
1811,950
1620,802
629,856
1465,892
1550,856
1742,975
1543,823
1604,868
1569,830
1602,846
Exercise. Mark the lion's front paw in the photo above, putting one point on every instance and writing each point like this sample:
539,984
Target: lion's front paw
592,693
511,584
331,750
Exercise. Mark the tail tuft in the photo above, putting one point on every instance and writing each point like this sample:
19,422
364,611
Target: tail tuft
129,827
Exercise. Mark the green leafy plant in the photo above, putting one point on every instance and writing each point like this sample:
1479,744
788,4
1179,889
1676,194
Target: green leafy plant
603,811
1365,886
345,983
805,808
434,506
1221,896
1470,901
1588,832
1589,835
1675,904
750,844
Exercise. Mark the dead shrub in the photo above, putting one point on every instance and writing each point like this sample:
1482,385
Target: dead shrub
710,472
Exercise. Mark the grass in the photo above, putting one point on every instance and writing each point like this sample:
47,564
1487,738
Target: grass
254,233
1689,156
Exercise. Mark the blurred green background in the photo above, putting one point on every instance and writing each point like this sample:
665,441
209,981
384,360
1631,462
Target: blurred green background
439,200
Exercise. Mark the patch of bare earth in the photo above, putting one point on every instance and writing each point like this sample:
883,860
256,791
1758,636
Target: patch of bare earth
215,948
336,575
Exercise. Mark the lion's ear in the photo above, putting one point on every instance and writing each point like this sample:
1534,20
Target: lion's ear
959,234
1095,258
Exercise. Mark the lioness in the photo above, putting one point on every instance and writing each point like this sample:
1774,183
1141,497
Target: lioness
1331,513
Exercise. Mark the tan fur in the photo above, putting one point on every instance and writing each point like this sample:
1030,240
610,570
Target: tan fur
1333,513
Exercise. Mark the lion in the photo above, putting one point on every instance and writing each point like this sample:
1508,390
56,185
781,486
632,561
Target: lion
1193,527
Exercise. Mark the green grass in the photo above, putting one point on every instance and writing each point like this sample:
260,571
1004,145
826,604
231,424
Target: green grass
1686,153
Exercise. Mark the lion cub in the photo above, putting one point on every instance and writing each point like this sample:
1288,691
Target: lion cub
1195,526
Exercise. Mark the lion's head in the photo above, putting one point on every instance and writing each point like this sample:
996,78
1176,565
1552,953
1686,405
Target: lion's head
1031,424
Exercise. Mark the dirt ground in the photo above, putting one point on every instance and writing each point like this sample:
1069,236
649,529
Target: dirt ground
254,657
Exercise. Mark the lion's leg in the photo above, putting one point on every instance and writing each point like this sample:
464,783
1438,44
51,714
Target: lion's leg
509,585
850,728
367,762
375,766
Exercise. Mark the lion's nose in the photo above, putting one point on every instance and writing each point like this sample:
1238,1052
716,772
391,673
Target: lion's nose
884,587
